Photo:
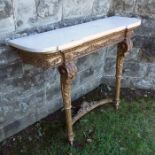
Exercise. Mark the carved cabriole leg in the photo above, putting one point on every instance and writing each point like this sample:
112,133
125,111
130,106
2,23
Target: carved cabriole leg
67,74
123,49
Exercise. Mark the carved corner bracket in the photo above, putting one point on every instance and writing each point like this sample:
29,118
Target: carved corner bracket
68,71
124,47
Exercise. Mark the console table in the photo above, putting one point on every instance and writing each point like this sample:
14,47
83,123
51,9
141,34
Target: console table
60,47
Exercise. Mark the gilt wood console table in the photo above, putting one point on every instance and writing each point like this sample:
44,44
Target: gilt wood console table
60,47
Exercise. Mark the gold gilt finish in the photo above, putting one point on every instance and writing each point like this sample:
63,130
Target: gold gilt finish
68,72
123,49
65,60
87,107
41,60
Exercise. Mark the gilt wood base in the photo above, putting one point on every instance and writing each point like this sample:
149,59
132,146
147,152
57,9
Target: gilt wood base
68,72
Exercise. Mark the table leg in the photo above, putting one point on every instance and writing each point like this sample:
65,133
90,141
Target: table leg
67,74
123,49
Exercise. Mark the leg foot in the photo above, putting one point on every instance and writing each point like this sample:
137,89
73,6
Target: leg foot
71,141
117,104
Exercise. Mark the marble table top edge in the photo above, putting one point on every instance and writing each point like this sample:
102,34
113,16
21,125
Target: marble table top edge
104,26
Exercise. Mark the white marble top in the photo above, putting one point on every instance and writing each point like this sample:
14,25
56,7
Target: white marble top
64,38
